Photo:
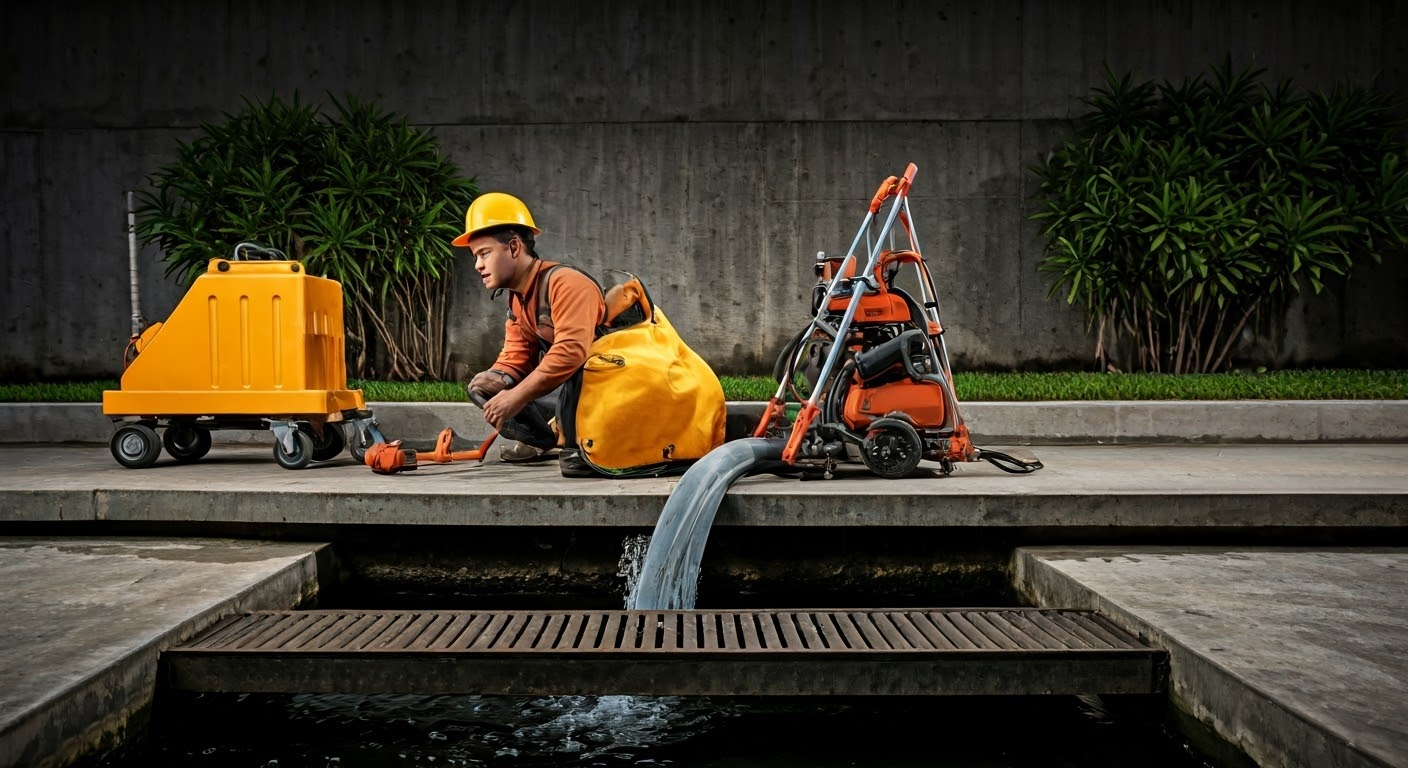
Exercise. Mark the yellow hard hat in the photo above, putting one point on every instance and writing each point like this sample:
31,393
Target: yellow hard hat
494,209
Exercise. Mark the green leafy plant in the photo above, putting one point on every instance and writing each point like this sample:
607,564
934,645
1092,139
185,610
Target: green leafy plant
358,196
1180,211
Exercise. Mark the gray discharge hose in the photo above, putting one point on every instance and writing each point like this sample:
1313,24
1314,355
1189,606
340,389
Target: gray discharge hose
669,577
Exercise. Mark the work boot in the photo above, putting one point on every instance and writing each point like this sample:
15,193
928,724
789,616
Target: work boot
573,465
523,453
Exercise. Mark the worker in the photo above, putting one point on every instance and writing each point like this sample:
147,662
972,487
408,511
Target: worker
553,316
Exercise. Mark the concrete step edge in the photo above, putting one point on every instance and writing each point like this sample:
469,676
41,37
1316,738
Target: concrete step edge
992,423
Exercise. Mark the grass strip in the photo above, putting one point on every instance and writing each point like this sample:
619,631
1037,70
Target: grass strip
1328,384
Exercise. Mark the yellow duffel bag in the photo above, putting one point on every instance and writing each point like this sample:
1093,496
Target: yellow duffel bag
649,404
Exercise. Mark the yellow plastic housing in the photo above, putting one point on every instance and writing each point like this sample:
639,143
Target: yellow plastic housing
250,338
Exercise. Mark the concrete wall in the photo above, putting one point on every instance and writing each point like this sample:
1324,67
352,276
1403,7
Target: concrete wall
712,148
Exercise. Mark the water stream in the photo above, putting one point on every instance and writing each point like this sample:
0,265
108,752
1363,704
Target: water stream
669,573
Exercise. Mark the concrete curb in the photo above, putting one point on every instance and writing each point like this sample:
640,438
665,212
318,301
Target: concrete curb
1039,423
71,720
1280,724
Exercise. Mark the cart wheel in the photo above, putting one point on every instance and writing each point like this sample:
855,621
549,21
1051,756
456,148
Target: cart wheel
302,451
357,446
358,449
329,444
892,448
186,442
135,446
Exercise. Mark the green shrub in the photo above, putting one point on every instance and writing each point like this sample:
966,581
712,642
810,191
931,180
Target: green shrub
1179,211
360,197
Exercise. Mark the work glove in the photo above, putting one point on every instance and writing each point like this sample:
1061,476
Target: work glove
489,383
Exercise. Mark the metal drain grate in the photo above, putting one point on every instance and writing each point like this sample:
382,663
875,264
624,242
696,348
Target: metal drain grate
792,652
664,631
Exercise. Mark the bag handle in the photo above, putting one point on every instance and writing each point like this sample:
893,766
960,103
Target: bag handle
623,296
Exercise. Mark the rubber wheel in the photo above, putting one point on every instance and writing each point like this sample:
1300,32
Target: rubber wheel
892,448
357,447
329,444
302,453
135,446
186,442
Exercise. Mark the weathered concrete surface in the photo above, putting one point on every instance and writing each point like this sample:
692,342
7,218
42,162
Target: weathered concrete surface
712,148
1037,423
1169,487
1294,656
85,620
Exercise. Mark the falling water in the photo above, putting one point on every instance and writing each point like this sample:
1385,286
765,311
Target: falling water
632,558
669,574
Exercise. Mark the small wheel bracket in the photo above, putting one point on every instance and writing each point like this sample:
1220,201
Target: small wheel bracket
368,431
283,433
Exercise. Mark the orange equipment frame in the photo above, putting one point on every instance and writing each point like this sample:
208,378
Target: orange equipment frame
885,387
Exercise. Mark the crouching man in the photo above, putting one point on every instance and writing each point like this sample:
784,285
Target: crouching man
553,317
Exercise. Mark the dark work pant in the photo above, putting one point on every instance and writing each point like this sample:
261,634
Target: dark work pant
562,403
567,396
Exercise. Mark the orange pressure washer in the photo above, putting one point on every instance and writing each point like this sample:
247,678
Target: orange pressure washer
871,369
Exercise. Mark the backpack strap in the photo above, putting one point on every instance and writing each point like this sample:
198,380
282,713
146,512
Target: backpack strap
545,301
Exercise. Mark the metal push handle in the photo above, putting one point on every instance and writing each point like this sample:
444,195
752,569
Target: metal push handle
893,186
262,253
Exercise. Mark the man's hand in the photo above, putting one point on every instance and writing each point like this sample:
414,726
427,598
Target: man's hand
504,406
488,383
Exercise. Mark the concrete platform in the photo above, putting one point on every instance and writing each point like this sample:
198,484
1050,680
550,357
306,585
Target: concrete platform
1294,656
85,619
1280,653
1169,487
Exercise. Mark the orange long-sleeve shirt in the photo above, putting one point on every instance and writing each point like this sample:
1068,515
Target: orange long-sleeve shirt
575,309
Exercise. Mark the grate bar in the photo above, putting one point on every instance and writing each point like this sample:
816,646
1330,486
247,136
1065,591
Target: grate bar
1081,632
1031,629
433,634
991,632
369,634
951,632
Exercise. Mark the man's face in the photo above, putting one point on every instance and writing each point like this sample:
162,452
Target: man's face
496,262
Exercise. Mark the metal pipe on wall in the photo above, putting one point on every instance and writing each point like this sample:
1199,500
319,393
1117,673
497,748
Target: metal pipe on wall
134,285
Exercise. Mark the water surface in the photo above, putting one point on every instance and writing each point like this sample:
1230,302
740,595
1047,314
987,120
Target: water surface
206,730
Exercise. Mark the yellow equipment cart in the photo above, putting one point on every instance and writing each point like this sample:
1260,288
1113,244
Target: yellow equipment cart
255,343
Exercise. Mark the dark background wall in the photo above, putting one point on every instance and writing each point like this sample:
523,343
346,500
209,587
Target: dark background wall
711,147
